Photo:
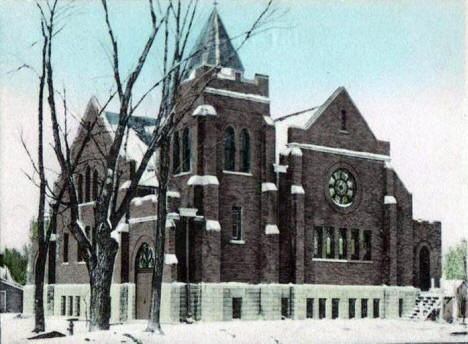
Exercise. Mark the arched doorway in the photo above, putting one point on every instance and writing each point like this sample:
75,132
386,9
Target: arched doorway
144,263
424,268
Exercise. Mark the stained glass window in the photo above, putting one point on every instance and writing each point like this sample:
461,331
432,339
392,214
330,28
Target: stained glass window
342,187
145,257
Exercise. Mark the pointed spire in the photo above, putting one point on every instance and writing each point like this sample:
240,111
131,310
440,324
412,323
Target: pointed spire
213,46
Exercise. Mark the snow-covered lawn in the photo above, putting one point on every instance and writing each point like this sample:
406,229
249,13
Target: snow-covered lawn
16,330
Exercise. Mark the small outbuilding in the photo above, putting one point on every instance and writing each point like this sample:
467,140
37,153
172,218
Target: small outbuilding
11,293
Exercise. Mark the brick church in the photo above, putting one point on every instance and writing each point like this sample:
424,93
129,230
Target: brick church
321,229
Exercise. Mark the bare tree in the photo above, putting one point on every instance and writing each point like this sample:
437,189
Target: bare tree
175,23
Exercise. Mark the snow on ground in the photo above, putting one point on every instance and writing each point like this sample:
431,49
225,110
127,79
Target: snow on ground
16,330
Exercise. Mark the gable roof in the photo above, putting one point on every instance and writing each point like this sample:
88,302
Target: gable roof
318,112
143,126
213,47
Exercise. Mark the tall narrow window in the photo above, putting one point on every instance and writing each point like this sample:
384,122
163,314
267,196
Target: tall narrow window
355,244
245,151
229,149
367,245
79,252
65,247
80,188
175,153
342,244
95,184
318,242
330,249
343,120
187,154
88,185
237,223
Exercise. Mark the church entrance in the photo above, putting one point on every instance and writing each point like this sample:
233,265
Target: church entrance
144,272
424,269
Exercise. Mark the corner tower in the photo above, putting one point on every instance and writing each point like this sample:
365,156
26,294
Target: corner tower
229,183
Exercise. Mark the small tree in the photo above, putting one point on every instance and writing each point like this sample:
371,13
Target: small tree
455,261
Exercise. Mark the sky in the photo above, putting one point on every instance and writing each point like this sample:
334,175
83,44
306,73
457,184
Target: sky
402,62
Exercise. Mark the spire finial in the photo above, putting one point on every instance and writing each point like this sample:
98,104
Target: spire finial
215,3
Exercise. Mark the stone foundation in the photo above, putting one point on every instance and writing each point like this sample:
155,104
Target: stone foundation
223,301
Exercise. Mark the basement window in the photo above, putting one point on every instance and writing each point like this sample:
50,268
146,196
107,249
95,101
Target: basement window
352,308
310,308
376,308
400,307
335,308
322,308
70,305
364,308
236,307
285,307
77,305
63,305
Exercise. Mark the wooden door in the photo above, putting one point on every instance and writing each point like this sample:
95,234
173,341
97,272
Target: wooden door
143,293
143,278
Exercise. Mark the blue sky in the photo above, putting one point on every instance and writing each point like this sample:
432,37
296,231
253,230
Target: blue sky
401,61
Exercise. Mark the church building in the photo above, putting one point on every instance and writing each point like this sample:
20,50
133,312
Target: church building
321,229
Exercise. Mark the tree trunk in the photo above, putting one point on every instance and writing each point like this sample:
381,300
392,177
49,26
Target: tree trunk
39,271
154,322
100,284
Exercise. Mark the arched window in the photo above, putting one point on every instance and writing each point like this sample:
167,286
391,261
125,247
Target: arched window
186,153
176,153
245,151
95,184
145,257
88,185
80,188
229,149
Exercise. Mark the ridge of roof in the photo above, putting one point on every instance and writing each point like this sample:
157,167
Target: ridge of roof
316,115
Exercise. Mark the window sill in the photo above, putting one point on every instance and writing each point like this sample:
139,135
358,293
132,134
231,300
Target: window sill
87,203
82,262
345,132
237,242
247,174
330,260
65,263
182,173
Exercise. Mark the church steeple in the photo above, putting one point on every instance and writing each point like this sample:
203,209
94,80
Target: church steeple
213,47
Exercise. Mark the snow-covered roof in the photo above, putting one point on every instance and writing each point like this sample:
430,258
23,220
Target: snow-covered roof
136,140
5,277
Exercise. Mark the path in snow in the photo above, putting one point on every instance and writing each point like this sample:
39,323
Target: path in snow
16,330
